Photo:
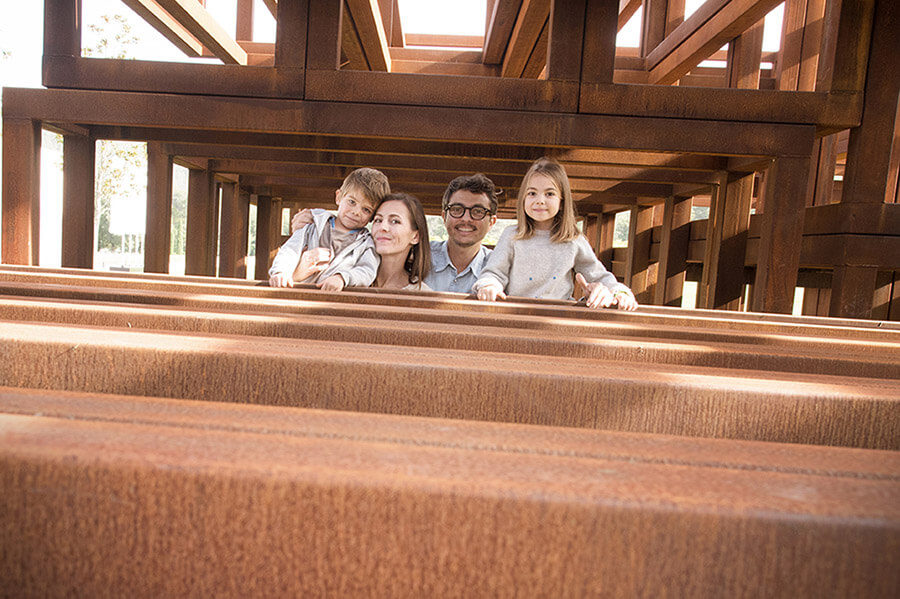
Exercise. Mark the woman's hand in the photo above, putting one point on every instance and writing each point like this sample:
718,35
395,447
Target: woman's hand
598,295
301,219
332,283
491,292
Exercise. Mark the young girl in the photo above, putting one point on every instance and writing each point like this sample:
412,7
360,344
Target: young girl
539,256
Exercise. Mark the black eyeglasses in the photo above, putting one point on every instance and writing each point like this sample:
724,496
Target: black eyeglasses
476,212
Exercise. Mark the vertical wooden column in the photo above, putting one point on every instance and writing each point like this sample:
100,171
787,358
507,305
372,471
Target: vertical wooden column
21,191
744,54
867,178
599,48
727,249
607,234
673,251
201,240
801,34
653,26
244,21
782,231
62,28
158,234
567,22
232,232
291,41
323,44
637,271
78,202
268,223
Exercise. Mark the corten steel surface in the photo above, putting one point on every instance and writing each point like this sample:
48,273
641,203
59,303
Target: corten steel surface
880,360
112,495
49,281
424,381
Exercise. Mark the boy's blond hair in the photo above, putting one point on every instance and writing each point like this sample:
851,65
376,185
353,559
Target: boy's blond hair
565,223
370,182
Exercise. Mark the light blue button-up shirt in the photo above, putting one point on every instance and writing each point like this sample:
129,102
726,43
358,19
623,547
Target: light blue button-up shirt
443,275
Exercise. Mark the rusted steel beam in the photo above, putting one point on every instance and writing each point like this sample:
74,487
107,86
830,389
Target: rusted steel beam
653,347
391,506
472,385
43,281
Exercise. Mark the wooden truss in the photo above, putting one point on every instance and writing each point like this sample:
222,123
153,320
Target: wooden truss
280,125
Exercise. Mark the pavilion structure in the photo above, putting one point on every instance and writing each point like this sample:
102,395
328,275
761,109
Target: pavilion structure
794,152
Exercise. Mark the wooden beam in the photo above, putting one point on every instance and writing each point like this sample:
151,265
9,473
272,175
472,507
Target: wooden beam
367,21
324,35
868,177
291,42
353,55
566,28
202,236
170,28
158,232
200,23
672,263
702,34
627,9
638,264
500,26
782,229
845,54
62,28
272,5
599,55
244,21
530,22
744,55
21,190
801,36
78,202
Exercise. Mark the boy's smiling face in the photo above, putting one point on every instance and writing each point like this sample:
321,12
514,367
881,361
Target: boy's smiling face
354,209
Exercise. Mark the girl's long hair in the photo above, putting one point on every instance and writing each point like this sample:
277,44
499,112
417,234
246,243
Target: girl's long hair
418,260
564,226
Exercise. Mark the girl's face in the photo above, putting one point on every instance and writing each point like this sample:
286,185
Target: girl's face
542,201
393,229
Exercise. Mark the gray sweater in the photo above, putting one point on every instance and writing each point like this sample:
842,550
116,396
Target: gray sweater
538,267
357,263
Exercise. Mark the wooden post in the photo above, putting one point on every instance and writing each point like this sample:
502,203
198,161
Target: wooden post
268,223
78,202
801,35
158,234
604,249
638,263
323,45
847,300
21,191
673,251
782,230
62,28
232,247
728,248
567,20
202,224
653,27
599,55
244,21
868,172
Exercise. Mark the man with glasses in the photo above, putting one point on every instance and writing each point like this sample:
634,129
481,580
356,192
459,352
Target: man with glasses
469,209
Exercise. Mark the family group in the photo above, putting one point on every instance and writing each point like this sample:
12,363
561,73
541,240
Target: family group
543,256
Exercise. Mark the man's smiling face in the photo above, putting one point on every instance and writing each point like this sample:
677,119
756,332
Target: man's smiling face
465,231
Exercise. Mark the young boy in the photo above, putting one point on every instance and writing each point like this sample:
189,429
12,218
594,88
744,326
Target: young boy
342,241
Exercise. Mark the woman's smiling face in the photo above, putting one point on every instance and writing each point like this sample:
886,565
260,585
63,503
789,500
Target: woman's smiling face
393,229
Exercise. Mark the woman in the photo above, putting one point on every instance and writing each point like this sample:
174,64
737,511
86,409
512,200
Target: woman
400,232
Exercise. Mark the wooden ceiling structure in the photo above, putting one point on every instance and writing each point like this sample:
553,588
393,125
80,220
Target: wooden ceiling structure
652,131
